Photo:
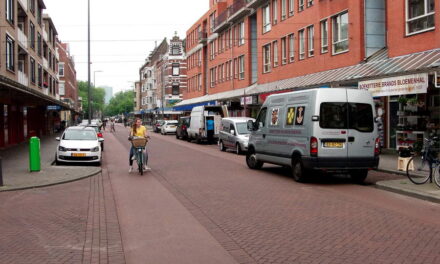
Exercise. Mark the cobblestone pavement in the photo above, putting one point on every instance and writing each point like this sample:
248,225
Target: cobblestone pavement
265,217
70,223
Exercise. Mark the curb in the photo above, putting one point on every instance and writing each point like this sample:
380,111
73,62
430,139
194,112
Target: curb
52,183
408,193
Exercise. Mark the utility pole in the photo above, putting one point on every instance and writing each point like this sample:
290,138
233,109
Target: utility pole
88,63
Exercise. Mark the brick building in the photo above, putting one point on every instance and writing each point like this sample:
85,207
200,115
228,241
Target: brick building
68,86
240,51
29,98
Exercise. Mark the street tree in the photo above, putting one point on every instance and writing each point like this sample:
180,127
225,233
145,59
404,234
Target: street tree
98,98
121,103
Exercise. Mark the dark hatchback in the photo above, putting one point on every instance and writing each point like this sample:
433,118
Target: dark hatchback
182,126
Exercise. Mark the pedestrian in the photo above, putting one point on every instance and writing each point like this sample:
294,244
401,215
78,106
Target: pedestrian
112,125
138,130
210,130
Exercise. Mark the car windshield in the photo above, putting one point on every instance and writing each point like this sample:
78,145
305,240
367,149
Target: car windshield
77,134
95,127
242,128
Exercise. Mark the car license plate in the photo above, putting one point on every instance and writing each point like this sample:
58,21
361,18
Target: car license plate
172,126
333,144
78,154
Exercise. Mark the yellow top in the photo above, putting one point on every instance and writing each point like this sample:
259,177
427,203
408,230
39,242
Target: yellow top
140,132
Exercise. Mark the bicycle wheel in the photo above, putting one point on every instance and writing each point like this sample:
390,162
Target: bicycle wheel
140,165
418,170
436,174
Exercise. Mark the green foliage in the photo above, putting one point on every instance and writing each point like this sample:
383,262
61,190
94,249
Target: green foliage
122,102
98,98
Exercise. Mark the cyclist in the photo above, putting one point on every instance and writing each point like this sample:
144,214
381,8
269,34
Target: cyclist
138,130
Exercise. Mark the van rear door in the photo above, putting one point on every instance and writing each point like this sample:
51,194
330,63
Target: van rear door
362,133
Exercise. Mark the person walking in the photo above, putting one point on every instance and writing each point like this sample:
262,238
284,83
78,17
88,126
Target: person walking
210,130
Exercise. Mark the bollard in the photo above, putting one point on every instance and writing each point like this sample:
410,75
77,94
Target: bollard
1,173
34,154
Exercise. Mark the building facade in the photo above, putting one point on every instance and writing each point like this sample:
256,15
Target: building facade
29,95
241,51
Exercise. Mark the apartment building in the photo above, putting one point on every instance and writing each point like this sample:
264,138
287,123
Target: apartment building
68,86
29,100
241,51
137,97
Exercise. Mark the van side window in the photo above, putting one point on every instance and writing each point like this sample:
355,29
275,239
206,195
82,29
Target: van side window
262,117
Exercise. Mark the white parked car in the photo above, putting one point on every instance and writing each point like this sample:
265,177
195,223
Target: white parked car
169,126
79,144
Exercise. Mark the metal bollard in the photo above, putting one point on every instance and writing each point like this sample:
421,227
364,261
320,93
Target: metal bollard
1,173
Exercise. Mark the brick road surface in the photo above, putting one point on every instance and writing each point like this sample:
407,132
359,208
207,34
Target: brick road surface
265,217
70,223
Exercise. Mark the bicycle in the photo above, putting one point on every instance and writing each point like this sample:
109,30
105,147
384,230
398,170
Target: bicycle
426,166
139,144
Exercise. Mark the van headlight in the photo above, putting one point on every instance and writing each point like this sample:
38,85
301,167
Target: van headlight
62,149
95,149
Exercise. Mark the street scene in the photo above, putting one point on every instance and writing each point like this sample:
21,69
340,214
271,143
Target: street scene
228,131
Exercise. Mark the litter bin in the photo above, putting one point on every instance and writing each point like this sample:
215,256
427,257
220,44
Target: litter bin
34,154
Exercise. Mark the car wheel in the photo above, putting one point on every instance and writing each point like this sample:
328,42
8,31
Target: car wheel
238,150
177,136
359,176
188,139
252,161
198,139
56,160
102,147
298,170
221,146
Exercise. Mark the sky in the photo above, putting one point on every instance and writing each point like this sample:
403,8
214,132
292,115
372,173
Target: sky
123,33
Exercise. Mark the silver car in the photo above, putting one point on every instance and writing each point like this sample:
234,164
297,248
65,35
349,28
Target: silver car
234,134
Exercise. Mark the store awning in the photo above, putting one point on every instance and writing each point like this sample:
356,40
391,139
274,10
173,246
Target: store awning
407,64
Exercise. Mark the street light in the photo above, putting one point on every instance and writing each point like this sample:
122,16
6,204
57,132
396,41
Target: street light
94,86
88,63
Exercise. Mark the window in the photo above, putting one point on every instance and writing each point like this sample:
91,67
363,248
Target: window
32,6
241,33
61,69
10,53
359,117
176,69
420,16
10,11
32,70
261,119
241,67
32,34
309,3
275,54
340,33
283,51
39,46
300,5
310,41
175,90
235,68
266,19
275,11
200,81
211,21
291,47
266,58
61,89
283,9
302,44
212,75
40,76
291,7
324,36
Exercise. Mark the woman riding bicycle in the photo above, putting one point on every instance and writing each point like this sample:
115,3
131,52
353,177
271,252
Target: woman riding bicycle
138,130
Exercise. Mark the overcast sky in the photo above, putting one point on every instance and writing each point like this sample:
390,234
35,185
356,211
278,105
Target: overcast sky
122,33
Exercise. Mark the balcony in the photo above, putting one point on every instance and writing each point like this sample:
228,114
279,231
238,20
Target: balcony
23,79
22,39
46,91
255,3
24,4
203,37
234,12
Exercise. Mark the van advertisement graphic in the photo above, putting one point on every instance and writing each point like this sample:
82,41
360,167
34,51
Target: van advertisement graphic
290,117
274,119
299,120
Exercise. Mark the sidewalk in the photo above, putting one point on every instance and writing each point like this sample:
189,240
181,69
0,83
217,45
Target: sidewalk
388,164
16,175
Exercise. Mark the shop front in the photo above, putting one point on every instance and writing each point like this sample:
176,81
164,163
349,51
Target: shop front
408,107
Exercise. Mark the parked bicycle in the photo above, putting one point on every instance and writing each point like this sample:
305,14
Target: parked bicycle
139,144
425,165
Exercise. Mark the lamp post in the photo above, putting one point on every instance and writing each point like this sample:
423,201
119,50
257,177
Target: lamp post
94,86
88,63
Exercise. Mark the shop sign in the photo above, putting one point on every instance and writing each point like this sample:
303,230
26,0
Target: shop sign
401,85
53,107
262,97
249,100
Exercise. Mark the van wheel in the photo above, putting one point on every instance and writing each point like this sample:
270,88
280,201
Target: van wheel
238,149
359,176
221,146
177,136
198,140
298,170
188,138
252,161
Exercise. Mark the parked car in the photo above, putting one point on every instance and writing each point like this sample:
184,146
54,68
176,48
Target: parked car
98,133
182,126
158,126
234,134
79,144
331,130
169,126
199,116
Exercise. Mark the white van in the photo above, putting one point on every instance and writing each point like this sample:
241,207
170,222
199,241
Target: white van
327,129
199,117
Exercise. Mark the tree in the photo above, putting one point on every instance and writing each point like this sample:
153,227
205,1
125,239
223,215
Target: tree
98,98
121,103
